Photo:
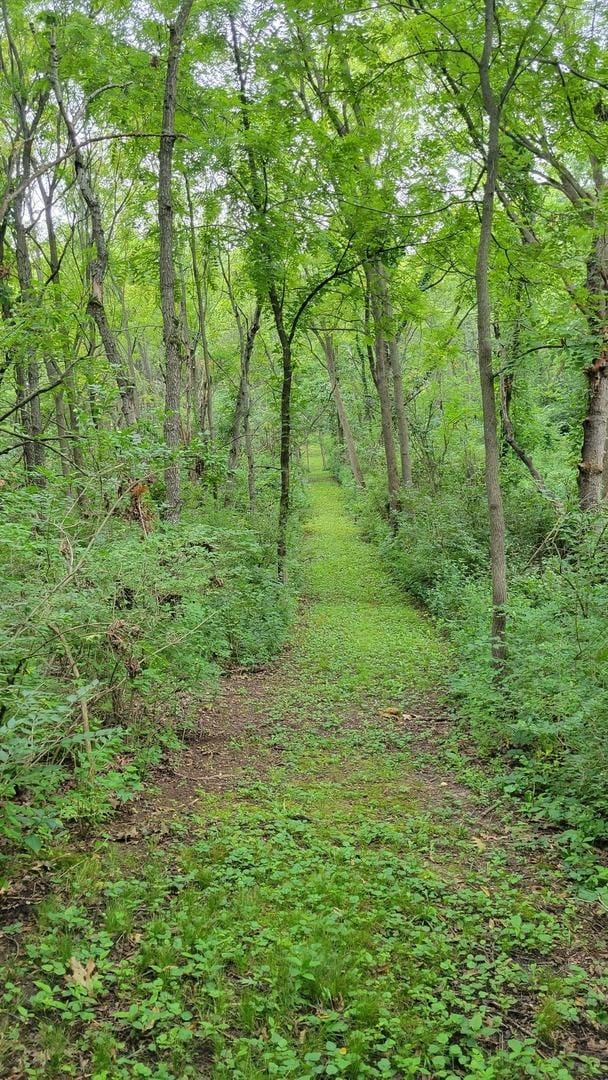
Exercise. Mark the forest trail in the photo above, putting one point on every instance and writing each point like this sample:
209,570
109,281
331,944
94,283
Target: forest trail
334,903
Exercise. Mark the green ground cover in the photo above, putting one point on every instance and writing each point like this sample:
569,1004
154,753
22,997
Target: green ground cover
334,916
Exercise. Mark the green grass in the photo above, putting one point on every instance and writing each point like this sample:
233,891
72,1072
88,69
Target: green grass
361,637
331,918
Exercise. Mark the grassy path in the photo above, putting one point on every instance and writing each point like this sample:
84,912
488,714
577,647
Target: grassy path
333,915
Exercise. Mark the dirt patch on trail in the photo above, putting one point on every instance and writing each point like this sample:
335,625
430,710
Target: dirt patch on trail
225,749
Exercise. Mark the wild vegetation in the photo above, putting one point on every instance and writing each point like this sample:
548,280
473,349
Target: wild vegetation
268,268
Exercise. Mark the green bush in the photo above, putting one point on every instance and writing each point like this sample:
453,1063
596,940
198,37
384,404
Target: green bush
135,627
548,719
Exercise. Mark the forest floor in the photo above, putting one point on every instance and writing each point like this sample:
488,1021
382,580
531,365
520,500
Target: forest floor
318,884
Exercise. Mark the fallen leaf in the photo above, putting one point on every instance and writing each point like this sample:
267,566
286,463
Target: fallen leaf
82,974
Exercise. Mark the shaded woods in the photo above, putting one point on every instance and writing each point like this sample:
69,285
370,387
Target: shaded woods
230,233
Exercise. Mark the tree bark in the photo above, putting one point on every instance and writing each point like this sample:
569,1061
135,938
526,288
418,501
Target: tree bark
65,411
205,403
251,487
242,400
276,303
400,414
26,372
484,356
394,358
285,443
351,448
171,330
192,387
595,425
28,114
380,375
99,264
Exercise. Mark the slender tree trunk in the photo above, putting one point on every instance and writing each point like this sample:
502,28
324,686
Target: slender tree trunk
27,373
28,377
5,301
98,266
63,434
351,449
192,389
400,414
380,375
484,355
285,444
395,366
129,352
171,334
72,403
258,198
235,436
241,405
339,434
251,489
70,453
33,385
21,389
595,426
366,409
205,403
29,112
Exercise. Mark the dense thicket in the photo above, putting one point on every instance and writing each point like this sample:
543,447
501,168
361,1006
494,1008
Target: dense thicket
228,229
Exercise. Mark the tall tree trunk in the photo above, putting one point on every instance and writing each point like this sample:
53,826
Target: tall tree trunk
380,370
395,366
484,354
5,302
171,334
251,489
72,402
27,373
285,444
400,414
68,435
595,426
21,389
63,433
129,351
366,408
205,403
351,449
99,264
241,404
29,113
192,389
259,202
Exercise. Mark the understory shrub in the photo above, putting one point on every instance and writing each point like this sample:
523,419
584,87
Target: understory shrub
548,719
109,640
